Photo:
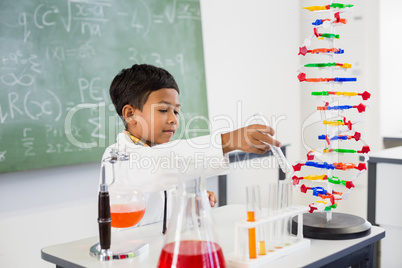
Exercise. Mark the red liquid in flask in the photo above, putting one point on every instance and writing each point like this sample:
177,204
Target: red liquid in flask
124,216
194,254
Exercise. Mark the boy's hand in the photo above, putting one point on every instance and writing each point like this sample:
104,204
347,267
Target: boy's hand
213,199
251,139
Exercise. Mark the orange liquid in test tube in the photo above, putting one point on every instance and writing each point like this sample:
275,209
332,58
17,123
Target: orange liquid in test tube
252,249
261,248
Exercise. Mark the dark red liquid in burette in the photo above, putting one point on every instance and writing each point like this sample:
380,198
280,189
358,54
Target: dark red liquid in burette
192,253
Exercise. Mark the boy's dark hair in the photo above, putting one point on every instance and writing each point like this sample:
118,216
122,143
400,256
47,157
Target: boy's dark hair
134,85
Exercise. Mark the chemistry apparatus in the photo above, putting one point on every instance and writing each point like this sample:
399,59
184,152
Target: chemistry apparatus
265,234
121,205
190,239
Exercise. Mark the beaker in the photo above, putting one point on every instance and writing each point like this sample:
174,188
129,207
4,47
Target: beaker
127,202
190,239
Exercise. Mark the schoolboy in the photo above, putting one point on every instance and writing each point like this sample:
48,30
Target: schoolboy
147,100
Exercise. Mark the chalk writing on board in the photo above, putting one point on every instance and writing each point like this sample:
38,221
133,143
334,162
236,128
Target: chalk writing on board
28,142
86,50
139,16
2,155
19,69
59,148
89,15
41,15
94,122
32,105
189,10
22,21
39,107
157,59
90,89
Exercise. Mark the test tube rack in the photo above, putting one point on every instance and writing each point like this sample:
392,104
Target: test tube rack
240,257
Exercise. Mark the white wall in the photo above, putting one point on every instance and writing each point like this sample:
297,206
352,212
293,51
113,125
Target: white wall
391,57
251,61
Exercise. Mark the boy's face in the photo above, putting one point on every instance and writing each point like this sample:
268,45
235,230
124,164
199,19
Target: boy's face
159,118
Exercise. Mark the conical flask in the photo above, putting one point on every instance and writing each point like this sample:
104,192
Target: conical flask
190,240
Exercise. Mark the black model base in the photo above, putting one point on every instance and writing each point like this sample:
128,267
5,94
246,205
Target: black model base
342,226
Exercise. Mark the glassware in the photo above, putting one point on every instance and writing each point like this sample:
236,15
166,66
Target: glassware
261,235
121,205
127,202
276,151
190,240
272,211
251,207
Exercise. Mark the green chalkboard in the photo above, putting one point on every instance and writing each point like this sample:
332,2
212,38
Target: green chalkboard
58,59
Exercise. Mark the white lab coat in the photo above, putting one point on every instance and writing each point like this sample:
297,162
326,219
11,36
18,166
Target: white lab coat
161,167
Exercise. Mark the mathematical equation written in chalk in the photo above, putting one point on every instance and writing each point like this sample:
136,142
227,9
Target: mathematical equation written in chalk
90,17
58,58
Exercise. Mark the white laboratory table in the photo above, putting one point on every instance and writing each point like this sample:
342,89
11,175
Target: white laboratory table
320,253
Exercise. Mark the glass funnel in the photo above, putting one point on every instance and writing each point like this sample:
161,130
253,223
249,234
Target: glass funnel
190,240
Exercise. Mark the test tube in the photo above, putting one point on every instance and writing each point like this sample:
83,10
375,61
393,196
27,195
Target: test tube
290,203
250,196
272,210
276,151
260,228
285,206
284,226
279,223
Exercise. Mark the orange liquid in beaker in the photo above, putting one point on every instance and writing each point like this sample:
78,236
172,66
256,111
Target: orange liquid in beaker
124,216
192,253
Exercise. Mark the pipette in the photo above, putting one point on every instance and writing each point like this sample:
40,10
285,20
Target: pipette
276,151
